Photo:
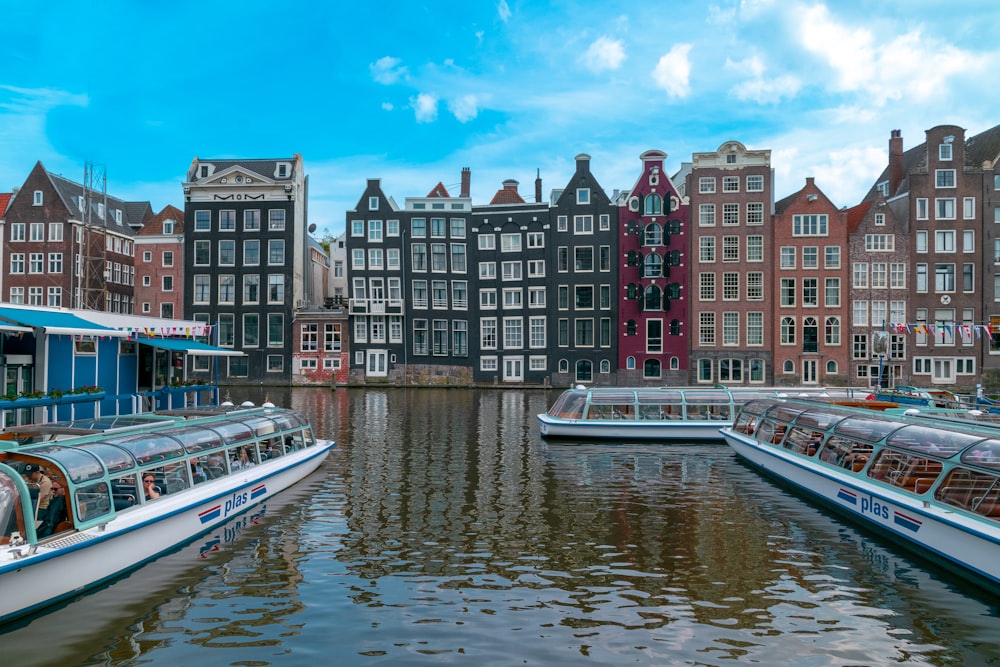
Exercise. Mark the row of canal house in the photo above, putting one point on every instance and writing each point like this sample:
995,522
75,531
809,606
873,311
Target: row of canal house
700,278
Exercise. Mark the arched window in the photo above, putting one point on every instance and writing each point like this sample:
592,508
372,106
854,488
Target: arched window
605,366
833,330
563,366
630,363
651,299
831,367
653,235
787,330
652,205
651,369
789,366
675,363
652,266
584,371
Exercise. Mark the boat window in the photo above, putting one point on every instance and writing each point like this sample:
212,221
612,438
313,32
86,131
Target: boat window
569,405
244,456
785,412
288,420
261,425
845,453
10,503
771,432
115,459
206,467
232,431
986,453
272,448
80,465
169,478
745,422
865,428
92,501
971,490
195,438
124,491
820,420
904,470
757,407
150,447
937,441
294,442
612,398
803,440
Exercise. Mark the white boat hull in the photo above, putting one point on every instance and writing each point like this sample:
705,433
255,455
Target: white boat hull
70,565
949,537
627,429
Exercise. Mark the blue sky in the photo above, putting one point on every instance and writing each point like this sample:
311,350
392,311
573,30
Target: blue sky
412,92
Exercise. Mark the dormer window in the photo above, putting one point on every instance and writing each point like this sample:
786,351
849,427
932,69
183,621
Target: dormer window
204,171
731,158
37,198
944,151
100,211
168,226
118,216
282,171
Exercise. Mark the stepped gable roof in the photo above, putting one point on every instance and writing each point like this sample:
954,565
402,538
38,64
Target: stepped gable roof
155,225
5,198
507,194
856,214
439,191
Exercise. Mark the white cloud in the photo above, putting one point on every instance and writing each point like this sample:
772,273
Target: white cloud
908,65
604,54
464,108
425,107
673,71
387,70
503,9
758,88
387,106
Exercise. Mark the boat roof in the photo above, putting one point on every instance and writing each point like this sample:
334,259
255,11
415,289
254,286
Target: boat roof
86,453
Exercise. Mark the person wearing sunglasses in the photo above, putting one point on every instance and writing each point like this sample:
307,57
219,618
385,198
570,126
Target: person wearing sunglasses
149,486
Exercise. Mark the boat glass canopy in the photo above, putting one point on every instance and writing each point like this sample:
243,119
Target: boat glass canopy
872,430
195,438
80,465
937,441
151,447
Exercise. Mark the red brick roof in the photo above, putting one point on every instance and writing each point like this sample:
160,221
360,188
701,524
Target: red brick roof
5,198
507,194
439,191
855,215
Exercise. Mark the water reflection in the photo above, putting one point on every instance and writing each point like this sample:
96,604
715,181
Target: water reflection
443,527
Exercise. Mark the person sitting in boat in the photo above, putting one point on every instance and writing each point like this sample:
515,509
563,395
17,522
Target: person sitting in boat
39,480
242,460
149,486
56,512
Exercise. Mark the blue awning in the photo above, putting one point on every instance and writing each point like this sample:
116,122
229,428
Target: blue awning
190,346
57,322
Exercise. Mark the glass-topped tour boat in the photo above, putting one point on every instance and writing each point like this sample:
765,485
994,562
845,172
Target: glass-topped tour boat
929,480
117,492
660,413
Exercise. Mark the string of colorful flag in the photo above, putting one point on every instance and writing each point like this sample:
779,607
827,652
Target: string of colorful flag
932,329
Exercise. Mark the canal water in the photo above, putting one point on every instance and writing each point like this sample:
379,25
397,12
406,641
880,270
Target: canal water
443,529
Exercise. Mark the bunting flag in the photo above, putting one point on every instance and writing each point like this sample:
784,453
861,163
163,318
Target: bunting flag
965,330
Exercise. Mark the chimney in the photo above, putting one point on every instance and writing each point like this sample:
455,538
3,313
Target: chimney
895,161
466,182
538,187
